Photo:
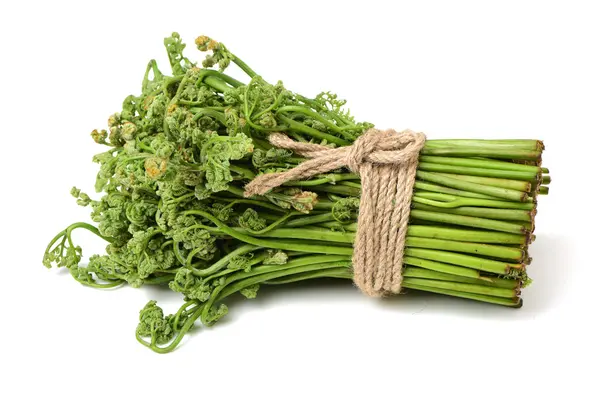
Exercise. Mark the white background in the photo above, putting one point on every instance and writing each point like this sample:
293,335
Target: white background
450,69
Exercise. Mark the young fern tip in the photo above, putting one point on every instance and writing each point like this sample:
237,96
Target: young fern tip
170,203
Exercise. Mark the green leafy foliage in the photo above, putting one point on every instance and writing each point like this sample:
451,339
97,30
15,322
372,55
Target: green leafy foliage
250,292
154,324
250,220
344,209
186,144
216,155
276,257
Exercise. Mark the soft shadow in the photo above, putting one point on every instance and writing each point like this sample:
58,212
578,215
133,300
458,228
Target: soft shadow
310,290
321,290
162,294
550,271
61,271
550,278
550,254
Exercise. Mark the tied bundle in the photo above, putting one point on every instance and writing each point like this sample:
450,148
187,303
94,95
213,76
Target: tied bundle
386,163
214,187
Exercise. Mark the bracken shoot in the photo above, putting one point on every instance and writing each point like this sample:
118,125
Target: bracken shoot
172,208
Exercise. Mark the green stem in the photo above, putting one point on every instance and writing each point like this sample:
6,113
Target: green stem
462,287
441,267
442,200
464,220
309,220
217,84
489,213
416,272
340,119
324,205
238,281
522,186
200,112
508,253
482,172
314,115
66,233
521,144
514,302
337,189
275,224
257,259
244,172
205,73
466,235
274,244
351,184
505,153
460,235
222,263
478,263
430,187
244,67
319,180
312,132
324,235
502,193
180,334
341,272
479,163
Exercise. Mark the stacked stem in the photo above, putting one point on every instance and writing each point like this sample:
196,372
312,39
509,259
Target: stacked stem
469,232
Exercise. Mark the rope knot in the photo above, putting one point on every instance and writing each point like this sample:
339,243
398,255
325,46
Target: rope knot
384,147
361,149
387,163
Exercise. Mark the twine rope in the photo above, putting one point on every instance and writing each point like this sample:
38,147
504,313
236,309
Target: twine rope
386,162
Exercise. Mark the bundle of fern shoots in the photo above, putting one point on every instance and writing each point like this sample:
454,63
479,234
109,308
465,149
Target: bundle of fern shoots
173,213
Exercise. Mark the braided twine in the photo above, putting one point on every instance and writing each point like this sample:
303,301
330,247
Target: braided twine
386,162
